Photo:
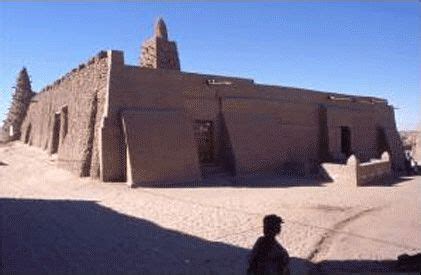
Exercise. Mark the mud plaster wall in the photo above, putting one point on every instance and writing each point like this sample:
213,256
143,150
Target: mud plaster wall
148,90
159,147
354,173
363,121
344,174
374,170
82,91
270,128
267,127
272,135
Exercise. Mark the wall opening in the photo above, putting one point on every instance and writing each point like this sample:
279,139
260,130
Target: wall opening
323,135
28,133
204,136
345,141
56,134
382,144
64,121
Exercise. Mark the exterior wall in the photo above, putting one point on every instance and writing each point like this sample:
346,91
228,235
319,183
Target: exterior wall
140,89
269,129
159,147
112,151
375,170
364,122
76,98
344,174
272,136
362,125
258,128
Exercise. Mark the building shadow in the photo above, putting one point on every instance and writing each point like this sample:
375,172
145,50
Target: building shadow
342,267
389,182
83,237
268,181
359,267
249,181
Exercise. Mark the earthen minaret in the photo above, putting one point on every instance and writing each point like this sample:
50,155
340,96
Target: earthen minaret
159,53
20,102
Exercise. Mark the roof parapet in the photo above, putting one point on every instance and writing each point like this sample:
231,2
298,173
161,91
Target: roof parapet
100,55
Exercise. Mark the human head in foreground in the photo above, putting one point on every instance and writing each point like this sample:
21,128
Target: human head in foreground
272,225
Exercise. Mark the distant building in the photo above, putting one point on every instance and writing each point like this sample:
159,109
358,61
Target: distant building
417,147
409,140
154,123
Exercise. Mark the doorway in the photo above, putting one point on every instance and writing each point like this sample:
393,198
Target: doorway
345,141
204,135
56,134
28,133
382,144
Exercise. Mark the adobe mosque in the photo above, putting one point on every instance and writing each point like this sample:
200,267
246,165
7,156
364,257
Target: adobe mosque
153,123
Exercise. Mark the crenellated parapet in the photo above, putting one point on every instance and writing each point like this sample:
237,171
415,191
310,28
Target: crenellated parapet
95,59
64,117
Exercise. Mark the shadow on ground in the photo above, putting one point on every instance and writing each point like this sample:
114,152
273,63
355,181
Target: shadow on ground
250,181
390,182
267,181
56,237
359,267
83,237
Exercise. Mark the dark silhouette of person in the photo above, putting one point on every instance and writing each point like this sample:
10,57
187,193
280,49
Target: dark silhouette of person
268,256
409,263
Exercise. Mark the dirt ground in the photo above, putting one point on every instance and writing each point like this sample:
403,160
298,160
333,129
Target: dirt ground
54,222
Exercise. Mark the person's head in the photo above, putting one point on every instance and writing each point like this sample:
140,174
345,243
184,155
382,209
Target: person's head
272,225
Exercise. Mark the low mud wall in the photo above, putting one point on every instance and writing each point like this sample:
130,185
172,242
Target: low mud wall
354,173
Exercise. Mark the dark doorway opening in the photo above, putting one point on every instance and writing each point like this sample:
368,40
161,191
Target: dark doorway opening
382,144
203,134
56,134
28,134
346,141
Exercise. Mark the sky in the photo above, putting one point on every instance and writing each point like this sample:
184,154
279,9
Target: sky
360,48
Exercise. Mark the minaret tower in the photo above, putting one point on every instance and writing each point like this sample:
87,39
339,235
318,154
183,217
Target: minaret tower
159,53
20,103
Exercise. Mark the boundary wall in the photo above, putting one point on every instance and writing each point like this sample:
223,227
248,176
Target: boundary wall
354,173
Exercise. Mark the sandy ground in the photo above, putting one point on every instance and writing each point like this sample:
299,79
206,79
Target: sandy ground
55,222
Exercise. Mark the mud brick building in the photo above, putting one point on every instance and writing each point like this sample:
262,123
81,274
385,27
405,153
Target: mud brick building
153,123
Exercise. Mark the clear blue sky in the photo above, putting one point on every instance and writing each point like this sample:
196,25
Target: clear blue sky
353,47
